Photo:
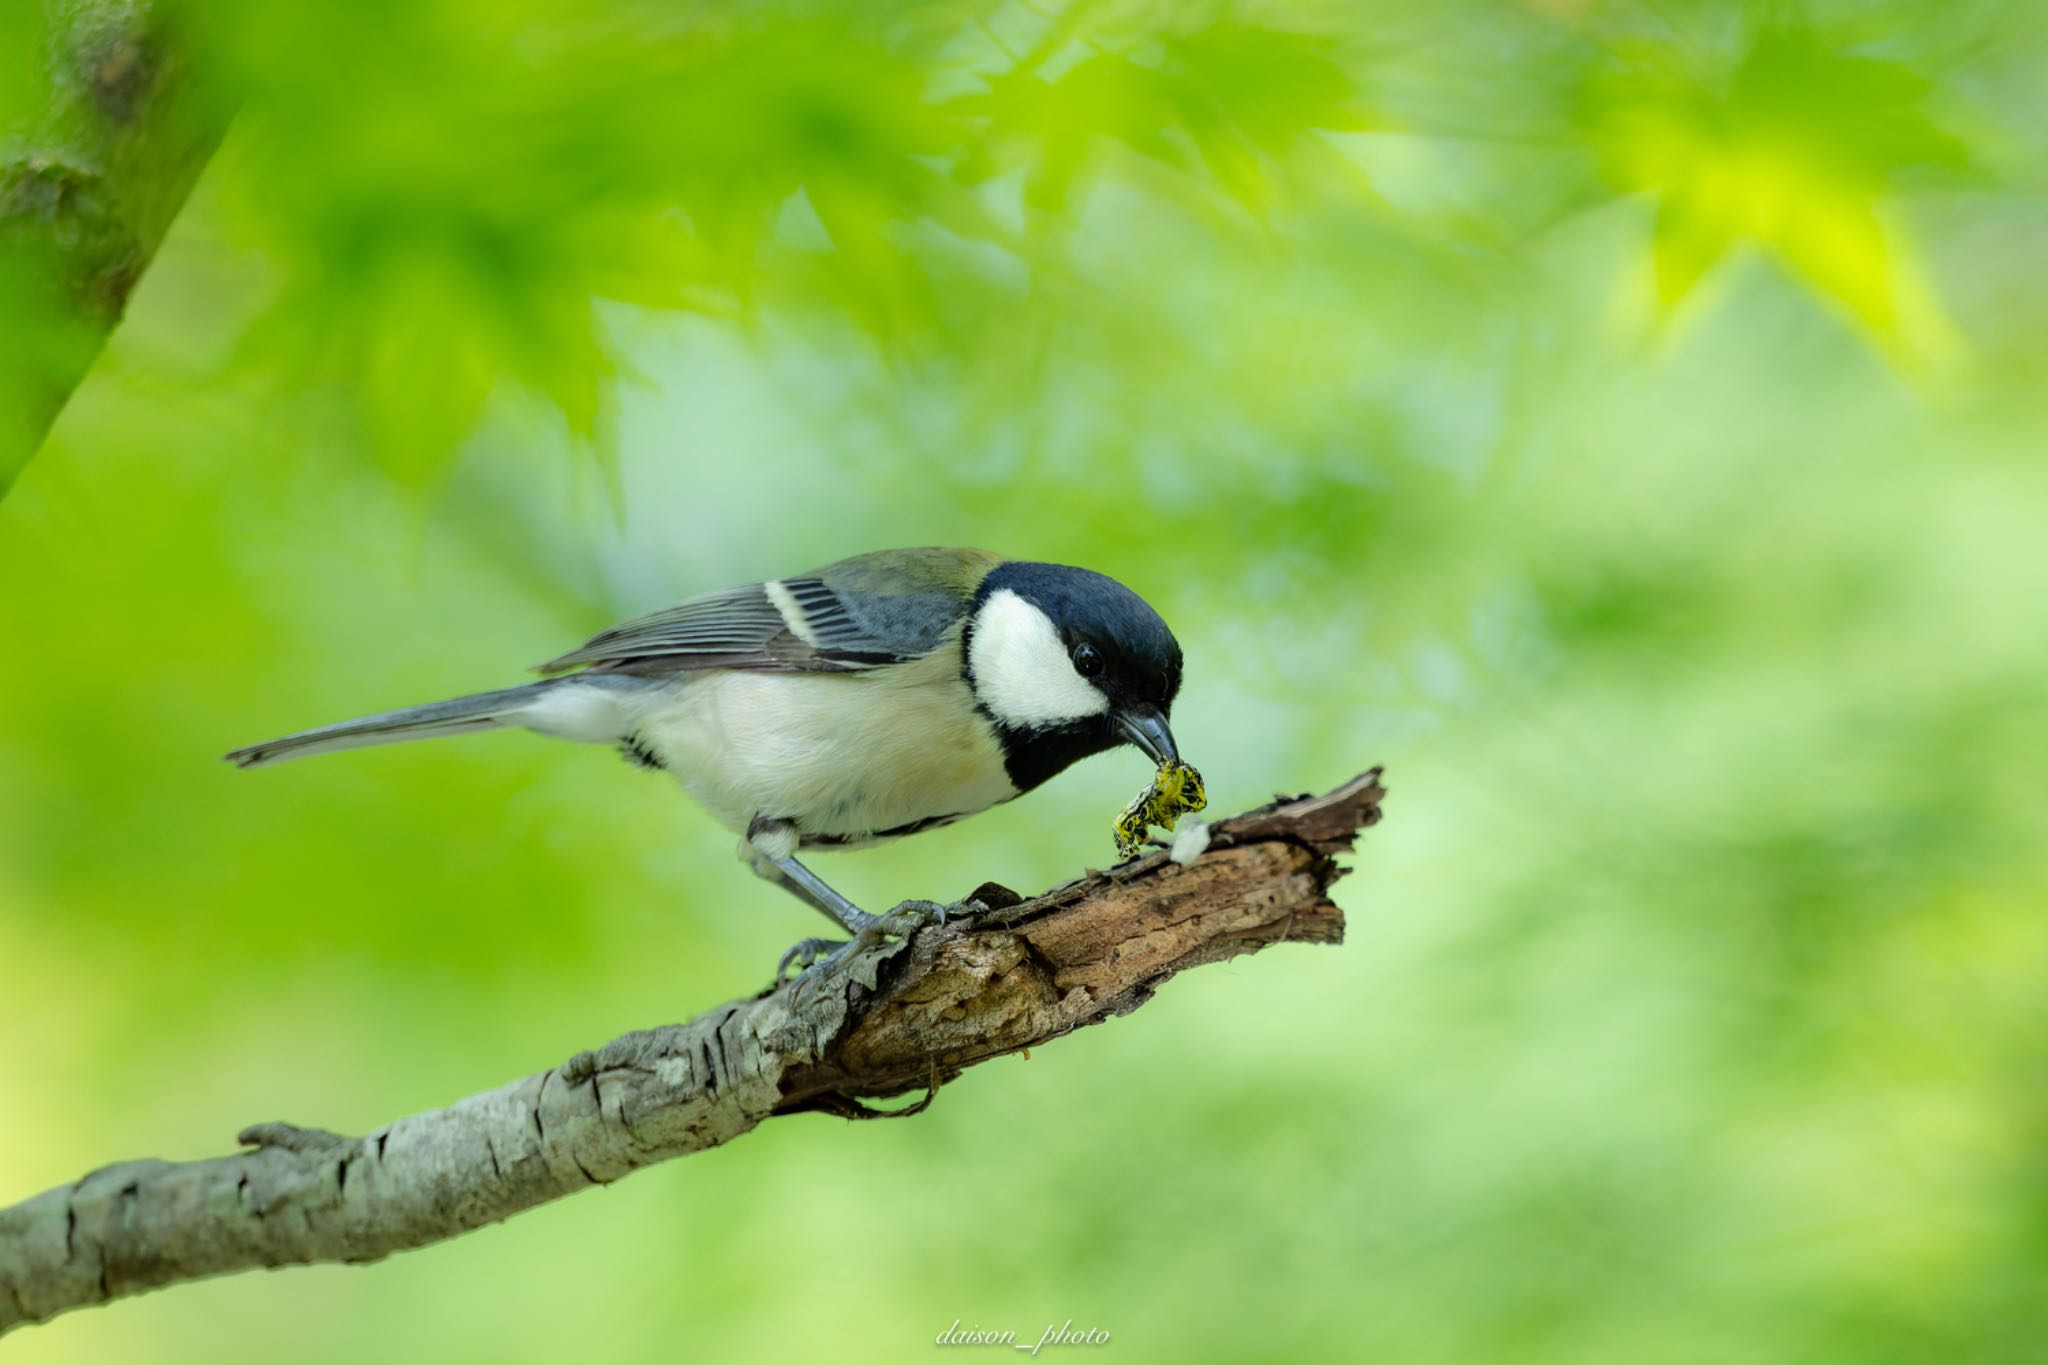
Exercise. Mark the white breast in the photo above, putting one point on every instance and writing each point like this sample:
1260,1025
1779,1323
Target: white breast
844,756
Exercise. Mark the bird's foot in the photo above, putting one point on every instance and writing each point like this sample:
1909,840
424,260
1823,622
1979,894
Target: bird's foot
806,953
821,955
913,915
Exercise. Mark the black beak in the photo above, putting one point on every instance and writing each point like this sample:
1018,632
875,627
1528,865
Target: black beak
1145,727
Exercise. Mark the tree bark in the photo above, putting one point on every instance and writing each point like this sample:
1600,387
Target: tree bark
91,175
911,1014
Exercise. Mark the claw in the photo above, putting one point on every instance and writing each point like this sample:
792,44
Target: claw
820,954
806,953
917,914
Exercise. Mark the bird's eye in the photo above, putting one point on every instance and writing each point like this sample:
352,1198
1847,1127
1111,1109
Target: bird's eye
1087,662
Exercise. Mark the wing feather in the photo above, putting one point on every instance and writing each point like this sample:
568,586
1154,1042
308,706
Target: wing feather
741,628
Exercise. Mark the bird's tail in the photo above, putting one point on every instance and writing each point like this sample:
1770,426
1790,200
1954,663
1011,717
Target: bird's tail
483,711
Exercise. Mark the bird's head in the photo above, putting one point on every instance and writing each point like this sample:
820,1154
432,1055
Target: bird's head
1068,662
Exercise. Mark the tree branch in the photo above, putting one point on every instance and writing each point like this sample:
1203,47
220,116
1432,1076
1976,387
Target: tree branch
89,183
897,1017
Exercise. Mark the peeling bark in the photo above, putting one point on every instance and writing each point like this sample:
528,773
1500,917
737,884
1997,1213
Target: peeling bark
897,1017
89,183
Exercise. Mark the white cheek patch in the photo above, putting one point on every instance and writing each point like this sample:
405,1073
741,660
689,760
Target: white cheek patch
1021,670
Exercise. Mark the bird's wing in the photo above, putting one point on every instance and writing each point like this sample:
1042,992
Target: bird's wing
860,613
789,625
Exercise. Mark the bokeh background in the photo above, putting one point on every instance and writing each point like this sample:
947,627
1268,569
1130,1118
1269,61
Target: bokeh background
1623,420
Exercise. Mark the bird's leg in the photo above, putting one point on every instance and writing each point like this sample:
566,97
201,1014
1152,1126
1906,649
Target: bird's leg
770,849
810,888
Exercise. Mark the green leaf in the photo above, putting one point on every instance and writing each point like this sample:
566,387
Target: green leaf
1796,150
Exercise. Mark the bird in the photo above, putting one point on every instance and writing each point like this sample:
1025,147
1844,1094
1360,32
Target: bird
877,697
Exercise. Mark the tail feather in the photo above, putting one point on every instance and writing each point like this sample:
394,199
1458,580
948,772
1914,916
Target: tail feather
482,711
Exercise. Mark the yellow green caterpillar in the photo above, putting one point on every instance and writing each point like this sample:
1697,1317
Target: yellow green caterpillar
1176,789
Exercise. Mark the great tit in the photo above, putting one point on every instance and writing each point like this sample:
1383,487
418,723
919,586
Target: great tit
876,697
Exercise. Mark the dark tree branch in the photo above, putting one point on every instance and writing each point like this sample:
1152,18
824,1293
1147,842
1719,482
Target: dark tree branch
902,1016
89,184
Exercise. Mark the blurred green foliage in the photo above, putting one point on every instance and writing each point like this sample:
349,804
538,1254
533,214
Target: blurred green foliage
1621,419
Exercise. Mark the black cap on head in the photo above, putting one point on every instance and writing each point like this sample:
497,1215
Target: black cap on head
1116,642
1113,636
